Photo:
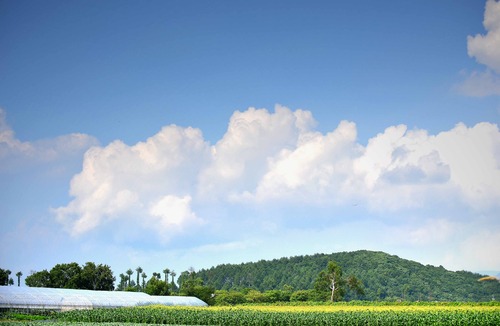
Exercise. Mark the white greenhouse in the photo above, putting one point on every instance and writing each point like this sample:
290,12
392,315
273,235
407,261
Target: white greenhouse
13,297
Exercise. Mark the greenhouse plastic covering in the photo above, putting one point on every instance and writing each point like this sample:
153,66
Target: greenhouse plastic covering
66,299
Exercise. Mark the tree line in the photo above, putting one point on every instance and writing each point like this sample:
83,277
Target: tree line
329,285
6,279
100,277
154,286
73,276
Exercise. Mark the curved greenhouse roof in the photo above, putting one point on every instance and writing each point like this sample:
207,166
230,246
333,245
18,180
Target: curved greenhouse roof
66,299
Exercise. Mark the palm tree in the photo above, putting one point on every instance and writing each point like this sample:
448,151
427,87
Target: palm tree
129,273
8,276
19,274
143,275
166,271
139,271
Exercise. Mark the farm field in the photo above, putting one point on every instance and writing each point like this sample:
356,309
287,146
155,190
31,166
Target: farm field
341,314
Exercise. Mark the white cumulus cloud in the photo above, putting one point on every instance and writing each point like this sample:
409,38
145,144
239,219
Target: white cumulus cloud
150,180
318,166
486,50
403,168
173,212
240,158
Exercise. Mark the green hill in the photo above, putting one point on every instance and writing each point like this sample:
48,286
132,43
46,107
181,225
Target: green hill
385,277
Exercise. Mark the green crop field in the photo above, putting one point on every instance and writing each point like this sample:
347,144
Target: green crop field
334,314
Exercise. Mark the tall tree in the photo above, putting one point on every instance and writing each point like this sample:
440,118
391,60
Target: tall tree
166,271
173,287
106,278
123,281
188,281
139,271
8,276
4,277
330,280
191,285
19,274
144,276
66,276
129,273
97,277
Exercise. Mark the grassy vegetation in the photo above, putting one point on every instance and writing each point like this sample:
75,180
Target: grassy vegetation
63,323
361,313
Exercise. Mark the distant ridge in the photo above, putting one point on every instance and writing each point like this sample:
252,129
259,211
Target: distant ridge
385,277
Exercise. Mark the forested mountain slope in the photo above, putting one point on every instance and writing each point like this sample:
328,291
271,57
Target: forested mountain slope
384,276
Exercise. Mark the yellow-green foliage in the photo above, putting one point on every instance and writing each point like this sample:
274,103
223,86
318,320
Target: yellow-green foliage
336,314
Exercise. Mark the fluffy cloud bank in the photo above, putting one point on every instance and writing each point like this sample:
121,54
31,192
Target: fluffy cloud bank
486,50
279,157
151,181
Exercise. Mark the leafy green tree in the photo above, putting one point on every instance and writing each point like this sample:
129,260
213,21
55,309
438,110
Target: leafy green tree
331,281
254,296
225,298
98,277
277,296
188,280
353,283
204,293
191,285
39,279
66,276
4,277
301,295
156,287
19,274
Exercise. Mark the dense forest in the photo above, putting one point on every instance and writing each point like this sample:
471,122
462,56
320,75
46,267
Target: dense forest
383,277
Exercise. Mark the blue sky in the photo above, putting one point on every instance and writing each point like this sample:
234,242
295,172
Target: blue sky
194,133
